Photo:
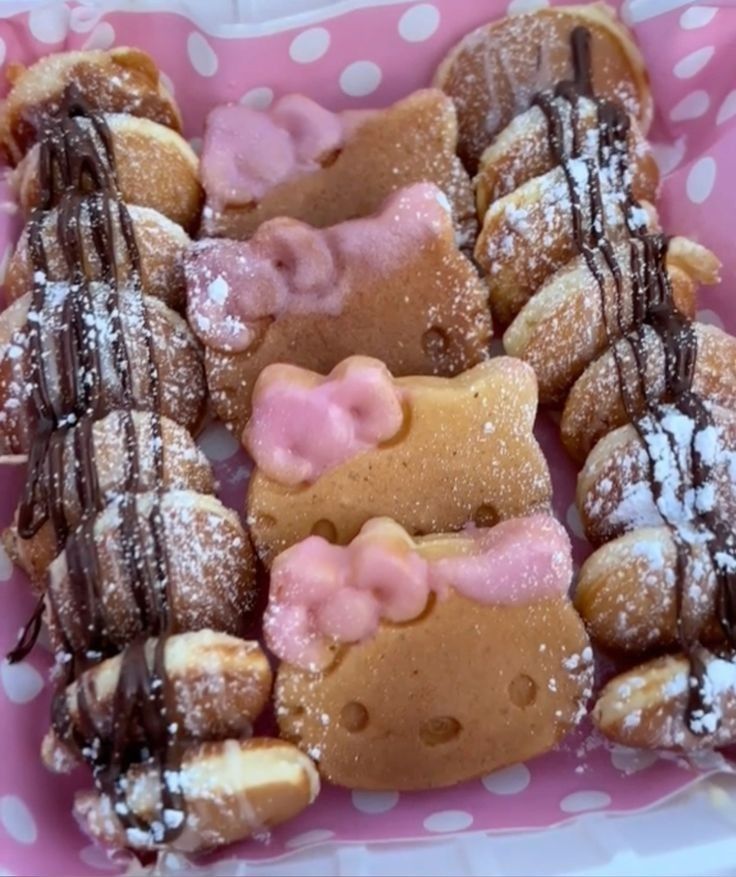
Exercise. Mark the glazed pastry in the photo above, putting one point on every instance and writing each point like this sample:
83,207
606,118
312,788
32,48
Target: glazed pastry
521,152
495,72
627,593
144,323
56,500
169,184
300,160
393,286
615,491
120,80
332,452
108,378
530,234
160,244
594,405
572,318
374,637
648,707
219,684
99,598
229,791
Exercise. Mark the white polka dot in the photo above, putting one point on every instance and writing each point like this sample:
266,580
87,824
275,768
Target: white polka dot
630,761
375,802
701,179
317,835
201,54
692,106
83,18
578,802
419,22
310,45
258,98
669,155
196,144
167,82
218,442
574,524
727,109
448,820
516,7
49,23
102,37
17,820
697,16
21,682
693,63
711,317
509,781
360,78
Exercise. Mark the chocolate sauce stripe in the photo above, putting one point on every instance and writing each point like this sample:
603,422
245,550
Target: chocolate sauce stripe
653,305
77,170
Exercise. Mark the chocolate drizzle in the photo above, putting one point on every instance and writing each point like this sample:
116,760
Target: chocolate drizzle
70,392
652,306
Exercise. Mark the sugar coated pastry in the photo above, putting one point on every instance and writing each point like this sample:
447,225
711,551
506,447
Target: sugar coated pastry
431,453
120,80
393,285
123,147
656,706
150,578
160,244
374,637
299,159
615,492
521,152
572,319
595,403
195,664
627,593
225,792
495,72
91,606
46,320
531,233
56,498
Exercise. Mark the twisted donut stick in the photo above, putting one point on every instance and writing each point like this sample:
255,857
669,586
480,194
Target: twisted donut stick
121,80
160,243
219,685
137,559
55,503
650,707
228,790
169,185
521,152
496,71
595,404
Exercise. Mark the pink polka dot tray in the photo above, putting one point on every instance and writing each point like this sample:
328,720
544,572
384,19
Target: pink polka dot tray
355,54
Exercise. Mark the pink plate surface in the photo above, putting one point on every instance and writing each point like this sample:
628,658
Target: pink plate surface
369,57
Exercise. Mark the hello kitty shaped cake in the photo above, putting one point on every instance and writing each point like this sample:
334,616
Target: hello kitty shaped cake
415,663
333,451
391,285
